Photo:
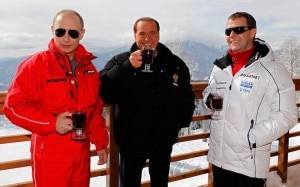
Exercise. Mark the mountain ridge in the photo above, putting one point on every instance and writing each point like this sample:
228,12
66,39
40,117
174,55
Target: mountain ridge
198,57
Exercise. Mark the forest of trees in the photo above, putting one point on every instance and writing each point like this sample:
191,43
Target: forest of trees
290,56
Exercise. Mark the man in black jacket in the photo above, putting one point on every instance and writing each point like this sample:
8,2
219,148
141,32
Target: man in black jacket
149,107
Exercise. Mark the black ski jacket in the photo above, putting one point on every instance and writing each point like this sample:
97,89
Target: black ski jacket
148,107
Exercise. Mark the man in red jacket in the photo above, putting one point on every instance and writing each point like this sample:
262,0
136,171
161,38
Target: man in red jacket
48,86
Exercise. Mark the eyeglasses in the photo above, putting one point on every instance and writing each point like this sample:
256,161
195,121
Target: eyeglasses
61,32
237,30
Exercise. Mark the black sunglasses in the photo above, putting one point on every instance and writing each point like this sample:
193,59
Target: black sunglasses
237,30
72,33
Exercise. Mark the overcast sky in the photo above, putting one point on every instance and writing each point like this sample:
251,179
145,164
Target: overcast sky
25,24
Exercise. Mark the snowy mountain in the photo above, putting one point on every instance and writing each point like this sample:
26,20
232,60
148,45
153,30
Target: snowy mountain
199,58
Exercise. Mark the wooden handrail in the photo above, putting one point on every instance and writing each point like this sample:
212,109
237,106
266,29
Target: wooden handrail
15,138
111,171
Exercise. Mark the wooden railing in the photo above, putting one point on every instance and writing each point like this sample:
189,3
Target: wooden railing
111,170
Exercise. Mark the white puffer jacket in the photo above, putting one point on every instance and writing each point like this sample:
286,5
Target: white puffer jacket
262,93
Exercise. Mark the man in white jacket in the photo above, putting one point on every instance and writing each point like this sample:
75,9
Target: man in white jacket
259,106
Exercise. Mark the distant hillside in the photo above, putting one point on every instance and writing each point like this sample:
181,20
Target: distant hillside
197,56
8,68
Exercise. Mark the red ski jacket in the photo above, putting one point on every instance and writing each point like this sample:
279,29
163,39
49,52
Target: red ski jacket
45,86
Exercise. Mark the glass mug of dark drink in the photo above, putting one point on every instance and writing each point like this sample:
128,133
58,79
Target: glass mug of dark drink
78,118
216,105
147,57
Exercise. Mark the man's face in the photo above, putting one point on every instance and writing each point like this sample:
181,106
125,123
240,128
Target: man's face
66,43
146,34
243,41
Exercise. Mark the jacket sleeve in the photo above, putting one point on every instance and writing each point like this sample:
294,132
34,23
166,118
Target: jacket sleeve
281,97
116,77
22,104
98,133
188,96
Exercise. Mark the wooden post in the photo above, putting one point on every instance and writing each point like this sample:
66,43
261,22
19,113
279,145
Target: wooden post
210,182
2,98
283,146
112,178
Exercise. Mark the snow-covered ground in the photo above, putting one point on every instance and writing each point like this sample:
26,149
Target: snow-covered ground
21,150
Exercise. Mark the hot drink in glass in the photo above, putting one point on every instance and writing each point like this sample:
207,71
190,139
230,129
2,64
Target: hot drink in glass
78,118
216,105
147,57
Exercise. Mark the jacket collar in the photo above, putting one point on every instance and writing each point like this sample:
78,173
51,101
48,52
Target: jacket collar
262,49
81,54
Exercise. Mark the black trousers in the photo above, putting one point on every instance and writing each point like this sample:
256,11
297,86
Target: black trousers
225,178
132,164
